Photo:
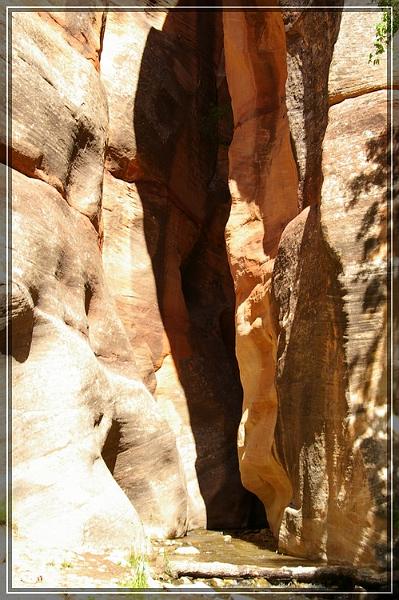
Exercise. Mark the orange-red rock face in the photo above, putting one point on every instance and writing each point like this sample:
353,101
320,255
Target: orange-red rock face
312,440
263,186
146,297
159,240
166,204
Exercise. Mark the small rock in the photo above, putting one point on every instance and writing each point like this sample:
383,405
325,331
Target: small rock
187,550
216,582
201,584
227,539
172,543
262,583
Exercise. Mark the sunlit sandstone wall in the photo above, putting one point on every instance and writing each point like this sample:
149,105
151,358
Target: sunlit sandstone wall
74,374
126,395
121,278
310,335
165,203
263,185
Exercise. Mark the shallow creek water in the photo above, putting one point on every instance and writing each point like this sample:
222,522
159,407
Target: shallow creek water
249,547
240,548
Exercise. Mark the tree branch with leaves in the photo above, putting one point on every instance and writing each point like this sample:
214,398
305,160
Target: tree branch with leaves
385,29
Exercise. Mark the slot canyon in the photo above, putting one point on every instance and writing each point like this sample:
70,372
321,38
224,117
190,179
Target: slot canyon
198,308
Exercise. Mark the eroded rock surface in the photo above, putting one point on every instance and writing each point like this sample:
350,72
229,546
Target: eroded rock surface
121,287
263,185
144,143
166,203
77,395
324,484
311,35
330,285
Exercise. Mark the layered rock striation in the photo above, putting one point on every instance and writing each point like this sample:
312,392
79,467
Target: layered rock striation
122,302
310,300
199,237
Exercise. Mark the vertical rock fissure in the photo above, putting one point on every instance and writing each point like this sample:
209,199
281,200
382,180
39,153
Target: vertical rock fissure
167,201
263,184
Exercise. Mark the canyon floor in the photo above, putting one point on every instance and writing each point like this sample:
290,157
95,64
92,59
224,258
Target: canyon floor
234,553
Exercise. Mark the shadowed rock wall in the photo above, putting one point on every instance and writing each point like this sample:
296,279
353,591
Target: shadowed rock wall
310,309
143,143
122,301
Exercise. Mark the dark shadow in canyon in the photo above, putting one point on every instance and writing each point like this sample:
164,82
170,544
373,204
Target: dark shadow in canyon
112,445
21,321
182,149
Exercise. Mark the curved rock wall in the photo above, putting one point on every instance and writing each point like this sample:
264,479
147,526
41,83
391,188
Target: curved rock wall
166,202
318,375
130,176
330,285
120,279
263,185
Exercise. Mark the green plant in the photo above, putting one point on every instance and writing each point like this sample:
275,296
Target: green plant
385,29
66,565
138,578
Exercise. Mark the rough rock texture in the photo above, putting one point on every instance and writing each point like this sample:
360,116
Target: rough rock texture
311,35
330,285
324,482
351,74
263,185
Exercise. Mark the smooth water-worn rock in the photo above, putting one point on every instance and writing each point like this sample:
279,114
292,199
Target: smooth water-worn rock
131,260
77,396
166,206
179,264
263,185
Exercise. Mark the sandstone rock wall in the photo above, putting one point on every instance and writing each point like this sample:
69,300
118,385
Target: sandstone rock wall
166,203
330,286
75,381
143,144
322,473
263,186
126,393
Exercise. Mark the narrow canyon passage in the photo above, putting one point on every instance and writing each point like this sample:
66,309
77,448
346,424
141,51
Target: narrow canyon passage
199,296
182,125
